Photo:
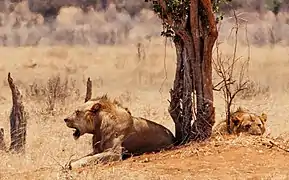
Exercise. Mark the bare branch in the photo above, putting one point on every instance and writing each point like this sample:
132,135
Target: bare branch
232,78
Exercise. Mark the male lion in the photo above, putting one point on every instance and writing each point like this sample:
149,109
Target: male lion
243,121
115,131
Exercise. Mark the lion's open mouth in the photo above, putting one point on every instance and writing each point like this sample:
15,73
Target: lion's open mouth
76,134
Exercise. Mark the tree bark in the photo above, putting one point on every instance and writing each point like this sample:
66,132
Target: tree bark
18,121
195,35
181,104
204,34
88,90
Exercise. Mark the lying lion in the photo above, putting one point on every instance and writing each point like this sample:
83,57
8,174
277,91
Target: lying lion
245,122
115,132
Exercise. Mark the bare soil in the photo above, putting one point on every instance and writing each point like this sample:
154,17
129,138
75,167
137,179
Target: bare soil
229,158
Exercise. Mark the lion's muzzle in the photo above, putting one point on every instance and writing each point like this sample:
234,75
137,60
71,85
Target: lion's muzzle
70,124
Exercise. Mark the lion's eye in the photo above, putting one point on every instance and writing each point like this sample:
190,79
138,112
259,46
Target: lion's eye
236,122
247,126
260,125
77,112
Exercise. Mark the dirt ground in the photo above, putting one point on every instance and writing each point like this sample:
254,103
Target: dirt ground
225,159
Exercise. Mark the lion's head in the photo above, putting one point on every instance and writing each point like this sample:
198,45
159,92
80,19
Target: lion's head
245,122
88,117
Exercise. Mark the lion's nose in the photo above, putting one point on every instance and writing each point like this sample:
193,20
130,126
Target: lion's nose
65,120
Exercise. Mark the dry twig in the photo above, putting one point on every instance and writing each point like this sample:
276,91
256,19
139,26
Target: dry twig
278,146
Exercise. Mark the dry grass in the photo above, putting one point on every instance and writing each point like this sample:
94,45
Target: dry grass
141,85
139,73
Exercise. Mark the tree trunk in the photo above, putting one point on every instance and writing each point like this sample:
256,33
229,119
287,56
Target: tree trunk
194,44
18,120
181,95
204,34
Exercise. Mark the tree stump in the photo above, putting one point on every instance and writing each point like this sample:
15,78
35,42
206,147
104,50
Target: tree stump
88,90
2,143
18,121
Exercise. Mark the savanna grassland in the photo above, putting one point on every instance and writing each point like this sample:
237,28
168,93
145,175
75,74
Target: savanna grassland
127,59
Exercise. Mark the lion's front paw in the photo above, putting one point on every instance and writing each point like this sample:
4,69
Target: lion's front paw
70,164
78,163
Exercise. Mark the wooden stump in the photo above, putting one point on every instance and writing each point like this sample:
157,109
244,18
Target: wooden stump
18,121
88,90
2,143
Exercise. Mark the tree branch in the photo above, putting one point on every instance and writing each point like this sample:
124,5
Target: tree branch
207,4
163,5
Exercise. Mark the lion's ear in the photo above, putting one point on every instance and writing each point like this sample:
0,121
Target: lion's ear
264,117
95,107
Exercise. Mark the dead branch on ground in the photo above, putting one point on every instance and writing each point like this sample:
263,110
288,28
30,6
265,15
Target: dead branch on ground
88,90
279,146
232,72
18,120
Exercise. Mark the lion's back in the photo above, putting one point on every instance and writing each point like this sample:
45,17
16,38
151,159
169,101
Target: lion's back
148,136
